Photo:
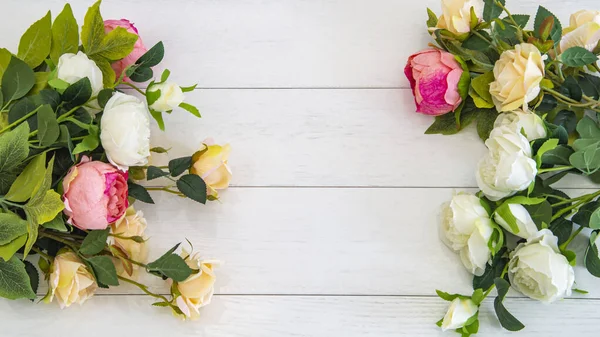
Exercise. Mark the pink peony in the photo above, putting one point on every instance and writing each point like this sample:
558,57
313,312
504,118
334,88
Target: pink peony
138,50
434,76
95,194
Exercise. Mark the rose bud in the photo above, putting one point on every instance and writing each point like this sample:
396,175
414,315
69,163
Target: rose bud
131,224
210,164
197,290
138,49
459,313
171,96
583,30
456,15
70,281
434,77
73,67
95,194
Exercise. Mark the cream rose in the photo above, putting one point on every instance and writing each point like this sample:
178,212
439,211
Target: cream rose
210,163
583,30
170,97
73,67
538,270
70,281
459,313
456,15
197,290
458,220
131,224
526,226
527,123
125,131
476,254
517,74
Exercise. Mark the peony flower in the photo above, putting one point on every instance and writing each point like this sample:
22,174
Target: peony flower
583,30
458,220
73,67
171,96
131,224
502,175
70,281
125,131
459,313
527,123
138,49
538,270
476,254
197,290
505,140
210,164
525,224
95,194
434,77
517,74
456,15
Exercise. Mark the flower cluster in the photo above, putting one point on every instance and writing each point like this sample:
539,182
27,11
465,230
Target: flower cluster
535,94
74,145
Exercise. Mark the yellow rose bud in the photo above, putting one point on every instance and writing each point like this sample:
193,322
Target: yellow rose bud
583,31
131,225
210,163
70,281
197,290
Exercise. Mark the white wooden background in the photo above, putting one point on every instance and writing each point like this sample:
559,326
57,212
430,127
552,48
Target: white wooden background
330,227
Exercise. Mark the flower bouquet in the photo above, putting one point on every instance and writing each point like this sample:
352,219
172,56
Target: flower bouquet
73,147
534,94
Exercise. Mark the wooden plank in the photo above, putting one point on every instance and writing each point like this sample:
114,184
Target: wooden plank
279,316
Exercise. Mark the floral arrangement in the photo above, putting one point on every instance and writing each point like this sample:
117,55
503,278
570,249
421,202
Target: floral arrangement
73,148
534,94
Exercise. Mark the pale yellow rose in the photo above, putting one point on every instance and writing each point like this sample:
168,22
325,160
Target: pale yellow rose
517,74
131,224
456,15
210,164
197,290
70,281
583,30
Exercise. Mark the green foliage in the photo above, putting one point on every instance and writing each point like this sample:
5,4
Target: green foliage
94,242
492,271
104,270
14,148
5,57
154,172
190,108
8,250
65,34
57,224
193,187
48,129
577,57
590,85
35,44
507,320
562,229
141,71
11,227
172,266
432,19
18,79
592,258
558,156
555,32
179,165
446,296
34,276
14,283
548,145
29,181
583,217
103,96
89,142
586,157
491,10
480,92
540,213
78,93
139,192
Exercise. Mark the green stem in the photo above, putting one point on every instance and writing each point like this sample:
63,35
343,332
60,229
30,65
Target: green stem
553,169
164,189
510,17
131,85
482,37
6,202
504,271
20,120
566,243
144,288
37,250
69,243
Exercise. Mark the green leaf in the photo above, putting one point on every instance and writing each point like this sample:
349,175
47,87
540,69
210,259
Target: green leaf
139,192
108,74
432,19
48,129
104,270
172,266
587,160
444,124
152,96
103,96
152,57
159,149
189,89
57,224
507,320
157,115
592,259
192,109
58,84
475,42
566,119
548,145
141,74
42,211
179,165
41,82
485,123
34,276
35,44
577,57
79,92
5,57
491,10
89,142
14,147
590,85
65,34
14,283
165,75
595,219
29,181
8,250
18,79
20,109
154,172
446,296
572,87
492,271
11,227
481,85
193,187
540,213
117,44
587,128
562,229
584,214
92,31
541,15
94,242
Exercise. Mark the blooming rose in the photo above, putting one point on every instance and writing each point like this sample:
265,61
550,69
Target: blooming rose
459,313
458,220
525,224
70,281
434,75
171,96
197,290
73,67
125,131
517,74
131,224
456,15
505,140
95,194
138,49
476,254
210,164
527,123
583,30
538,270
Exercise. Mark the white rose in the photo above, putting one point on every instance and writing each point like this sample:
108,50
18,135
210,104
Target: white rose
456,15
525,224
73,67
502,175
125,131
476,254
517,74
527,123
197,290
583,30
458,220
70,281
459,312
504,140
171,96
539,271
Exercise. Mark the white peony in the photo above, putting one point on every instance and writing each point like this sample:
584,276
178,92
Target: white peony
502,175
456,15
583,30
459,313
73,67
525,224
504,140
171,96
527,123
458,220
476,254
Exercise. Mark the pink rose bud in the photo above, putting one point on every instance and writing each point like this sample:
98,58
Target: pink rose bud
138,49
434,77
95,194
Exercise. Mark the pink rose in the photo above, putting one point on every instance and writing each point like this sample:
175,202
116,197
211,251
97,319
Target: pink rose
95,194
434,77
138,50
